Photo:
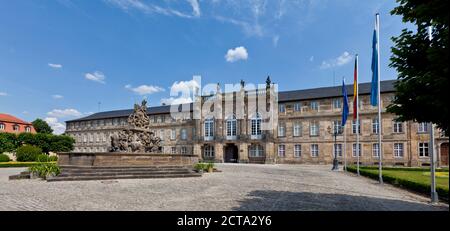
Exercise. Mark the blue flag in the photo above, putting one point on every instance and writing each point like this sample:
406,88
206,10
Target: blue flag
374,87
345,104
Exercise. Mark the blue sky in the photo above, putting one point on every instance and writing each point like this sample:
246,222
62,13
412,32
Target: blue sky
59,59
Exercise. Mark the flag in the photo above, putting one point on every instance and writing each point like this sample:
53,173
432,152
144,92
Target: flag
345,105
355,89
374,85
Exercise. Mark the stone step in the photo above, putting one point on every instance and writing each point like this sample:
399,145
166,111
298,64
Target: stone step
64,174
131,176
120,167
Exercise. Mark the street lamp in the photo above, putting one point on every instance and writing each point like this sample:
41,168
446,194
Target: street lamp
335,160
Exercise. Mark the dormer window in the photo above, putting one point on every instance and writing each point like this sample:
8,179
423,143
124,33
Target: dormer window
27,129
2,126
16,127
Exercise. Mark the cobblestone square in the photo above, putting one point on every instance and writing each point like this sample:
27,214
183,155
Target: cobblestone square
238,187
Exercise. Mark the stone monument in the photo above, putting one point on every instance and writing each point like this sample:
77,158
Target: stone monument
137,137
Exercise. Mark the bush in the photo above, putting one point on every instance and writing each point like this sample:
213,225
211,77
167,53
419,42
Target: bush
45,169
4,158
28,153
53,158
42,158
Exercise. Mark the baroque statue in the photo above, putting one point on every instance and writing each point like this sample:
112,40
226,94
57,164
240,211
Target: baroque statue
137,137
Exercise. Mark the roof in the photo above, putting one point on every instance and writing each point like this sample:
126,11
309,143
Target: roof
329,92
284,96
12,119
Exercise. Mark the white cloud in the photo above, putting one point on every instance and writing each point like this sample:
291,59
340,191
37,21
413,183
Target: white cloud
183,88
58,127
144,89
57,96
179,100
3,93
55,66
337,62
150,8
236,54
275,40
195,7
97,76
60,113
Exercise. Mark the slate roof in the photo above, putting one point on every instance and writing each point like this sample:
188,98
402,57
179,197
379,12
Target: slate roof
285,96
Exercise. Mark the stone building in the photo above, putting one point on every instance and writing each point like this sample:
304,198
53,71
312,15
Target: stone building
303,130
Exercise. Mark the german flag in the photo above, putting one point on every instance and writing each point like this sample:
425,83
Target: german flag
355,89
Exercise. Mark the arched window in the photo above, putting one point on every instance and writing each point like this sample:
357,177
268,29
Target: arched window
16,127
27,129
231,124
2,126
256,126
209,129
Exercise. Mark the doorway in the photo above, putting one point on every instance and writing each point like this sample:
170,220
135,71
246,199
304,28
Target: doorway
231,154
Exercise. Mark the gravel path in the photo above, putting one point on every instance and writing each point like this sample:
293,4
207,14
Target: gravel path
237,187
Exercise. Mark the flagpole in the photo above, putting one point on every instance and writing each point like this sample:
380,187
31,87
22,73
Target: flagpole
380,129
345,149
434,194
357,116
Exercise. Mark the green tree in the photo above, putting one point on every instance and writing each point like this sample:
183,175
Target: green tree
42,127
422,65
8,142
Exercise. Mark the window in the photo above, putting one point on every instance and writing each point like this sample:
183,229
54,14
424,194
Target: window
297,150
297,129
16,127
174,150
314,106
422,127
398,150
281,150
337,103
297,107
163,119
423,149
208,151
231,127
155,119
337,150
314,150
375,150
27,129
398,127
337,128
356,149
184,134
281,130
256,150
161,134
2,126
375,126
209,128
256,125
173,134
183,150
314,128
356,126
282,108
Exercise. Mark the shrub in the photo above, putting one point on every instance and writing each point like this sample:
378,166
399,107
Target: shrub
42,158
4,158
53,158
28,153
45,169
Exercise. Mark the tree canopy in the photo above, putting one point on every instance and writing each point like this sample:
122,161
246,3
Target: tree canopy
421,63
42,127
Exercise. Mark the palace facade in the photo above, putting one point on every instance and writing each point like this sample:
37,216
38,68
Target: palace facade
303,132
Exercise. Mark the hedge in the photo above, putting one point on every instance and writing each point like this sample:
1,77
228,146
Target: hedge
14,164
4,158
414,169
28,153
411,185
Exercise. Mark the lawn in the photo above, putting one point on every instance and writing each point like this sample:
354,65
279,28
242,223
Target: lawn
416,179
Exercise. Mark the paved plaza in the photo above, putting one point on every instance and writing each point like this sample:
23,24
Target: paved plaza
237,187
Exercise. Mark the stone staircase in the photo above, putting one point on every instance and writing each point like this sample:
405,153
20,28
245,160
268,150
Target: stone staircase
76,173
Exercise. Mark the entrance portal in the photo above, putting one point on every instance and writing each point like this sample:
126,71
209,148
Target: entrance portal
444,154
231,154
